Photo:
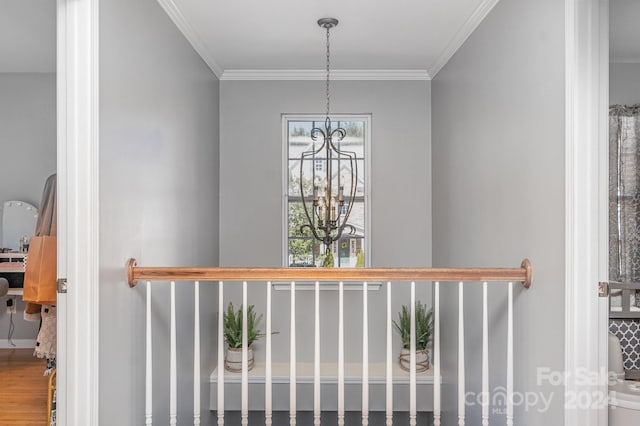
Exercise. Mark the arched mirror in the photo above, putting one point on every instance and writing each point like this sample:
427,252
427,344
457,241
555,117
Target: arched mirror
18,220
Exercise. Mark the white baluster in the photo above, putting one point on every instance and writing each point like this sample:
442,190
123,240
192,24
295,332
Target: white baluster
148,405
341,354
389,375
316,359
365,355
461,373
412,359
268,399
221,345
196,354
244,414
485,358
510,356
173,382
292,359
436,357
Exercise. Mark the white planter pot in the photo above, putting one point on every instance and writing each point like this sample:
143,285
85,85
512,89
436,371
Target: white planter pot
233,359
422,360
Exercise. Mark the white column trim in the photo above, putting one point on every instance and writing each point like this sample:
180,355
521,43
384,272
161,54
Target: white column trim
78,222
586,60
603,203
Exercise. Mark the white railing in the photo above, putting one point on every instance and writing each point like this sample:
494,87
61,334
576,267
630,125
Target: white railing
388,275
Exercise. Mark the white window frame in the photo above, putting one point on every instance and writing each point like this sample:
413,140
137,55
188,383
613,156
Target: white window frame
366,118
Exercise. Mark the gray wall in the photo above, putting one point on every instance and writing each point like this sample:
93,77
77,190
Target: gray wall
624,84
24,333
27,134
158,202
28,138
498,195
251,195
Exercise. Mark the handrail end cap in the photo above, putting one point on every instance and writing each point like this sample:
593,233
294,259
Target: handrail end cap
526,265
131,263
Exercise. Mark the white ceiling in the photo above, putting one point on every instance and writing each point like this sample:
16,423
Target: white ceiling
28,36
410,35
624,30
251,36
245,39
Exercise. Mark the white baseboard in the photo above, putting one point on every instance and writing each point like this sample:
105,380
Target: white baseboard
19,344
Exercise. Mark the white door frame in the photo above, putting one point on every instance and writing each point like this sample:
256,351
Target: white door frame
78,232
586,30
586,209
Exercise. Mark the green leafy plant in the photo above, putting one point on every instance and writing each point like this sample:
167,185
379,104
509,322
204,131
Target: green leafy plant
328,260
424,326
233,326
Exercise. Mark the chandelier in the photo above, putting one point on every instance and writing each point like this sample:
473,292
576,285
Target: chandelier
327,209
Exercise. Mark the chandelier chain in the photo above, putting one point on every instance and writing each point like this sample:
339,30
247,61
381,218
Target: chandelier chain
328,72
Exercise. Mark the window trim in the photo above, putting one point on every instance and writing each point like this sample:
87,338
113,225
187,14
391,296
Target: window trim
285,118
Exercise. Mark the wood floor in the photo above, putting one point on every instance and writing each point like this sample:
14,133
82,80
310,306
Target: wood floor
23,388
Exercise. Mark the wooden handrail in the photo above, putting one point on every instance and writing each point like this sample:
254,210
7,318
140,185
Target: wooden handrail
136,273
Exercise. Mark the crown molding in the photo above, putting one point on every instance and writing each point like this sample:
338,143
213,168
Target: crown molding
462,35
190,34
321,75
624,61
478,15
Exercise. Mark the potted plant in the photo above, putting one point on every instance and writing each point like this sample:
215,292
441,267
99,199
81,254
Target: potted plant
233,337
424,333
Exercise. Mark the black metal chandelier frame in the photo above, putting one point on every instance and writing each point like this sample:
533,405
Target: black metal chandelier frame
327,204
